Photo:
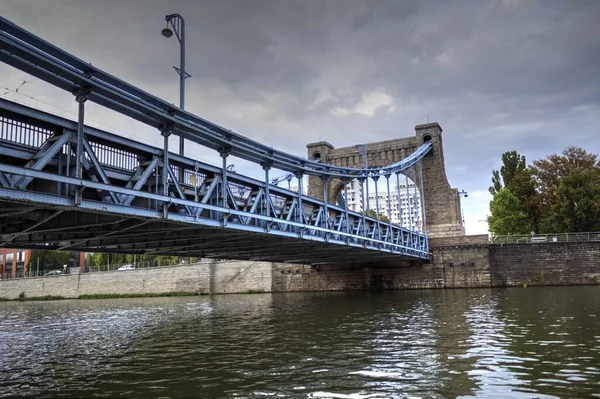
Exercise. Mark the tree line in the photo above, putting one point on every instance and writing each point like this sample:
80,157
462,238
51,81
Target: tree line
557,194
49,260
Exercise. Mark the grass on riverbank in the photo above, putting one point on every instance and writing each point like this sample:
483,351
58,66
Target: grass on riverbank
22,296
146,295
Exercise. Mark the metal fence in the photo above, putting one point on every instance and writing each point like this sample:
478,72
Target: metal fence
545,238
32,272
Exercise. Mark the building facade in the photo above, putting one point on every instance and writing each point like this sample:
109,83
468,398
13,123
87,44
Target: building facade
14,262
405,209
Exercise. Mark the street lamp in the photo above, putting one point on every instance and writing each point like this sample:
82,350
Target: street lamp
462,193
178,24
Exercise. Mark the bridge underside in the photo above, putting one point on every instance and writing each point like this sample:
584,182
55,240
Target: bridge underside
36,226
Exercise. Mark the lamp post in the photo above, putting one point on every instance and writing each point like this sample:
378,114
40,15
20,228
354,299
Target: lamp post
178,24
462,214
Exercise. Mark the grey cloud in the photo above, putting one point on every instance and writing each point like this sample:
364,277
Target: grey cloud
497,75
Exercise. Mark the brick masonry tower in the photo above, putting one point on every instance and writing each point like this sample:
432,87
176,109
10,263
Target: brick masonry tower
442,203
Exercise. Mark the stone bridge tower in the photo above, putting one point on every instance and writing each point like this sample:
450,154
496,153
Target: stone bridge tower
442,203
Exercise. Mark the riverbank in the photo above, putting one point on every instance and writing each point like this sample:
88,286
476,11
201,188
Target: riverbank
458,262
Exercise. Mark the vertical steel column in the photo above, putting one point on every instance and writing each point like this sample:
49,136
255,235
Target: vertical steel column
376,179
266,168
224,193
81,95
68,168
326,211
399,199
367,191
389,199
165,168
410,223
300,205
417,220
182,77
60,171
156,185
224,152
424,229
347,216
364,219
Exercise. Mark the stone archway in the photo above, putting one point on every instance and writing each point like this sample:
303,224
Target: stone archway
442,203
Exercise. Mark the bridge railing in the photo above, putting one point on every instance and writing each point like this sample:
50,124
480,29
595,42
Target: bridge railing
129,177
18,132
545,238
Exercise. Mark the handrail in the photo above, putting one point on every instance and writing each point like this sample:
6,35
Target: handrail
545,238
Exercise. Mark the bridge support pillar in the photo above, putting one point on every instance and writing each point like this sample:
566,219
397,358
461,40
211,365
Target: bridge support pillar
224,152
81,96
165,132
301,218
266,167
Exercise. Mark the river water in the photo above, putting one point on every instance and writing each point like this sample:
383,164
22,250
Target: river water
505,343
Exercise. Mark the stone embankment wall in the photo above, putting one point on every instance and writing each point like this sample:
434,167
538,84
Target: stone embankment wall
562,263
458,262
203,278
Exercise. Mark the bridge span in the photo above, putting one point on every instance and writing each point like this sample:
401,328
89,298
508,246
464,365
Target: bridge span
67,186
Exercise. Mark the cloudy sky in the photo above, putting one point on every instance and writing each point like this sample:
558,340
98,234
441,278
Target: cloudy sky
496,75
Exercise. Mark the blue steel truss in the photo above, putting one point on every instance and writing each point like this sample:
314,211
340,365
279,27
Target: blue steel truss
123,177
60,167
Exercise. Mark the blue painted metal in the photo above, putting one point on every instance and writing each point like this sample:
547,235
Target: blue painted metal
126,178
39,58
127,195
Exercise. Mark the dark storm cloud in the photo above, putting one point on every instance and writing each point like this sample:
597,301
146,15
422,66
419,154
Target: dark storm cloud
497,75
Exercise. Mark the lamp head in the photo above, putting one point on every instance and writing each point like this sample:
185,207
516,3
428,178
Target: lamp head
166,32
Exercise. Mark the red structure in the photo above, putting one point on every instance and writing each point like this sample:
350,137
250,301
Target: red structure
10,258
15,262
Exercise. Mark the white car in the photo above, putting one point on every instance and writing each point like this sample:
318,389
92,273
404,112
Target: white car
126,267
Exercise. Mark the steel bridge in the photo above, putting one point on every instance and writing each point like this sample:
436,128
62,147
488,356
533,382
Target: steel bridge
67,186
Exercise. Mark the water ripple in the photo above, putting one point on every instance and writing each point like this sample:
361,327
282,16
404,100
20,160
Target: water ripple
428,344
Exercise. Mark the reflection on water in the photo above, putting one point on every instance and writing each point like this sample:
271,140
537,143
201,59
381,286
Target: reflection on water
539,342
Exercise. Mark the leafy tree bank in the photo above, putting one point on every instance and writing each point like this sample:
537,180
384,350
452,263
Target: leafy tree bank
558,194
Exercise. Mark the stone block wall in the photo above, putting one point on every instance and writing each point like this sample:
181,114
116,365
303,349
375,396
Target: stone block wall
203,278
299,278
442,203
561,263
241,276
458,262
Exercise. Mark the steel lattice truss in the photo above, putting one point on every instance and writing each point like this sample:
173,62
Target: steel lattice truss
130,198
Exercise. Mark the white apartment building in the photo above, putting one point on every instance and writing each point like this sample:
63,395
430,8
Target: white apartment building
406,210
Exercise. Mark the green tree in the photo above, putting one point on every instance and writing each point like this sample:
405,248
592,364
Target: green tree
576,207
372,214
512,163
549,172
508,215
49,259
522,185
